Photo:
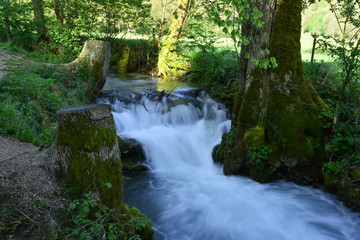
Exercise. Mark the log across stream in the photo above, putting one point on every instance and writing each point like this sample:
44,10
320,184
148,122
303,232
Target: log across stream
185,193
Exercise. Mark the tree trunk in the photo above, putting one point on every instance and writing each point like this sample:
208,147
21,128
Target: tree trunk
40,21
87,152
7,24
95,55
168,56
164,3
58,12
276,110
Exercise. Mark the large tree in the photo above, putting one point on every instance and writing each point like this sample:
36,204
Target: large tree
7,22
168,63
277,131
40,20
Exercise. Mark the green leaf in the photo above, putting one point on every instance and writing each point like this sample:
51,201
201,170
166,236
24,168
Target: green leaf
72,206
108,185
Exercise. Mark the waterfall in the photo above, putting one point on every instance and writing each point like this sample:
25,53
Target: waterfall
187,196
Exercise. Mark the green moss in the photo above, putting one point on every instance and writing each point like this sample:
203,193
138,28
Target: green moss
255,137
330,182
127,61
264,174
144,225
169,64
291,127
349,193
87,169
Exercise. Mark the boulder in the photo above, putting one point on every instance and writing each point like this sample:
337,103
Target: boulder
132,155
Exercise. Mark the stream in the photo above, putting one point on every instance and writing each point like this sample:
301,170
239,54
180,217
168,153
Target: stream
185,193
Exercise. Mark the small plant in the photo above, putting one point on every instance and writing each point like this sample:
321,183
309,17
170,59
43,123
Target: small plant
333,168
90,219
258,155
231,135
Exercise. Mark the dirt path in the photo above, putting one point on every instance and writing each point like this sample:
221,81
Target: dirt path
4,57
26,184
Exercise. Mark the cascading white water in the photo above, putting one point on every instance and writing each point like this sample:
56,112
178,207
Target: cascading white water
187,196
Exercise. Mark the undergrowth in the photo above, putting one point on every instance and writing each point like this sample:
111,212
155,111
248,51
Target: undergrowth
31,95
343,147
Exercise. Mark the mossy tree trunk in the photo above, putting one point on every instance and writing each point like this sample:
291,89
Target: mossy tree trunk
163,4
277,129
40,21
168,63
7,23
58,11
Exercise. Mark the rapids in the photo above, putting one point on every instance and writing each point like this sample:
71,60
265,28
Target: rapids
185,193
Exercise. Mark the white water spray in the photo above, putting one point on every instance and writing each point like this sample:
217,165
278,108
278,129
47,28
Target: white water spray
187,196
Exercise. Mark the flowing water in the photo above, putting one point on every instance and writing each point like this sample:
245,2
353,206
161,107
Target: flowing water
187,196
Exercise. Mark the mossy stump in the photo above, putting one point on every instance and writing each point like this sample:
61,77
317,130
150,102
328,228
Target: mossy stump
96,55
87,152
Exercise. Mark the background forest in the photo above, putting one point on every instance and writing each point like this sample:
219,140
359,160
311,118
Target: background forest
56,30
52,32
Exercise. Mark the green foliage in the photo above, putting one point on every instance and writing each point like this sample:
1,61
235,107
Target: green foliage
258,155
28,106
333,168
343,145
8,218
30,98
75,22
216,70
19,15
265,61
90,219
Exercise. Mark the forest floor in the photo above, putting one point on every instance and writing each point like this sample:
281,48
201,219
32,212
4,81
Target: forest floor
28,193
6,56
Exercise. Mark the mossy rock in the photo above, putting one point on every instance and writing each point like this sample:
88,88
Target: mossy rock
144,226
349,193
255,137
217,155
132,155
356,172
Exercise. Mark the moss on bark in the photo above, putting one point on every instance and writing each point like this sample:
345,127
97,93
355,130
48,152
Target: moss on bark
127,61
88,152
282,102
169,63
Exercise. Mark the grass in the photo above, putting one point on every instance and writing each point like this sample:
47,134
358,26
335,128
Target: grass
37,55
30,96
306,48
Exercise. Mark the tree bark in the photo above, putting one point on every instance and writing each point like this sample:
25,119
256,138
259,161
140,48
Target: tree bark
168,55
40,21
58,12
164,3
7,23
95,55
275,109
87,152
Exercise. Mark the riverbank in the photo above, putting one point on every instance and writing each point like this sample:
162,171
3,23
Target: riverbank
29,195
